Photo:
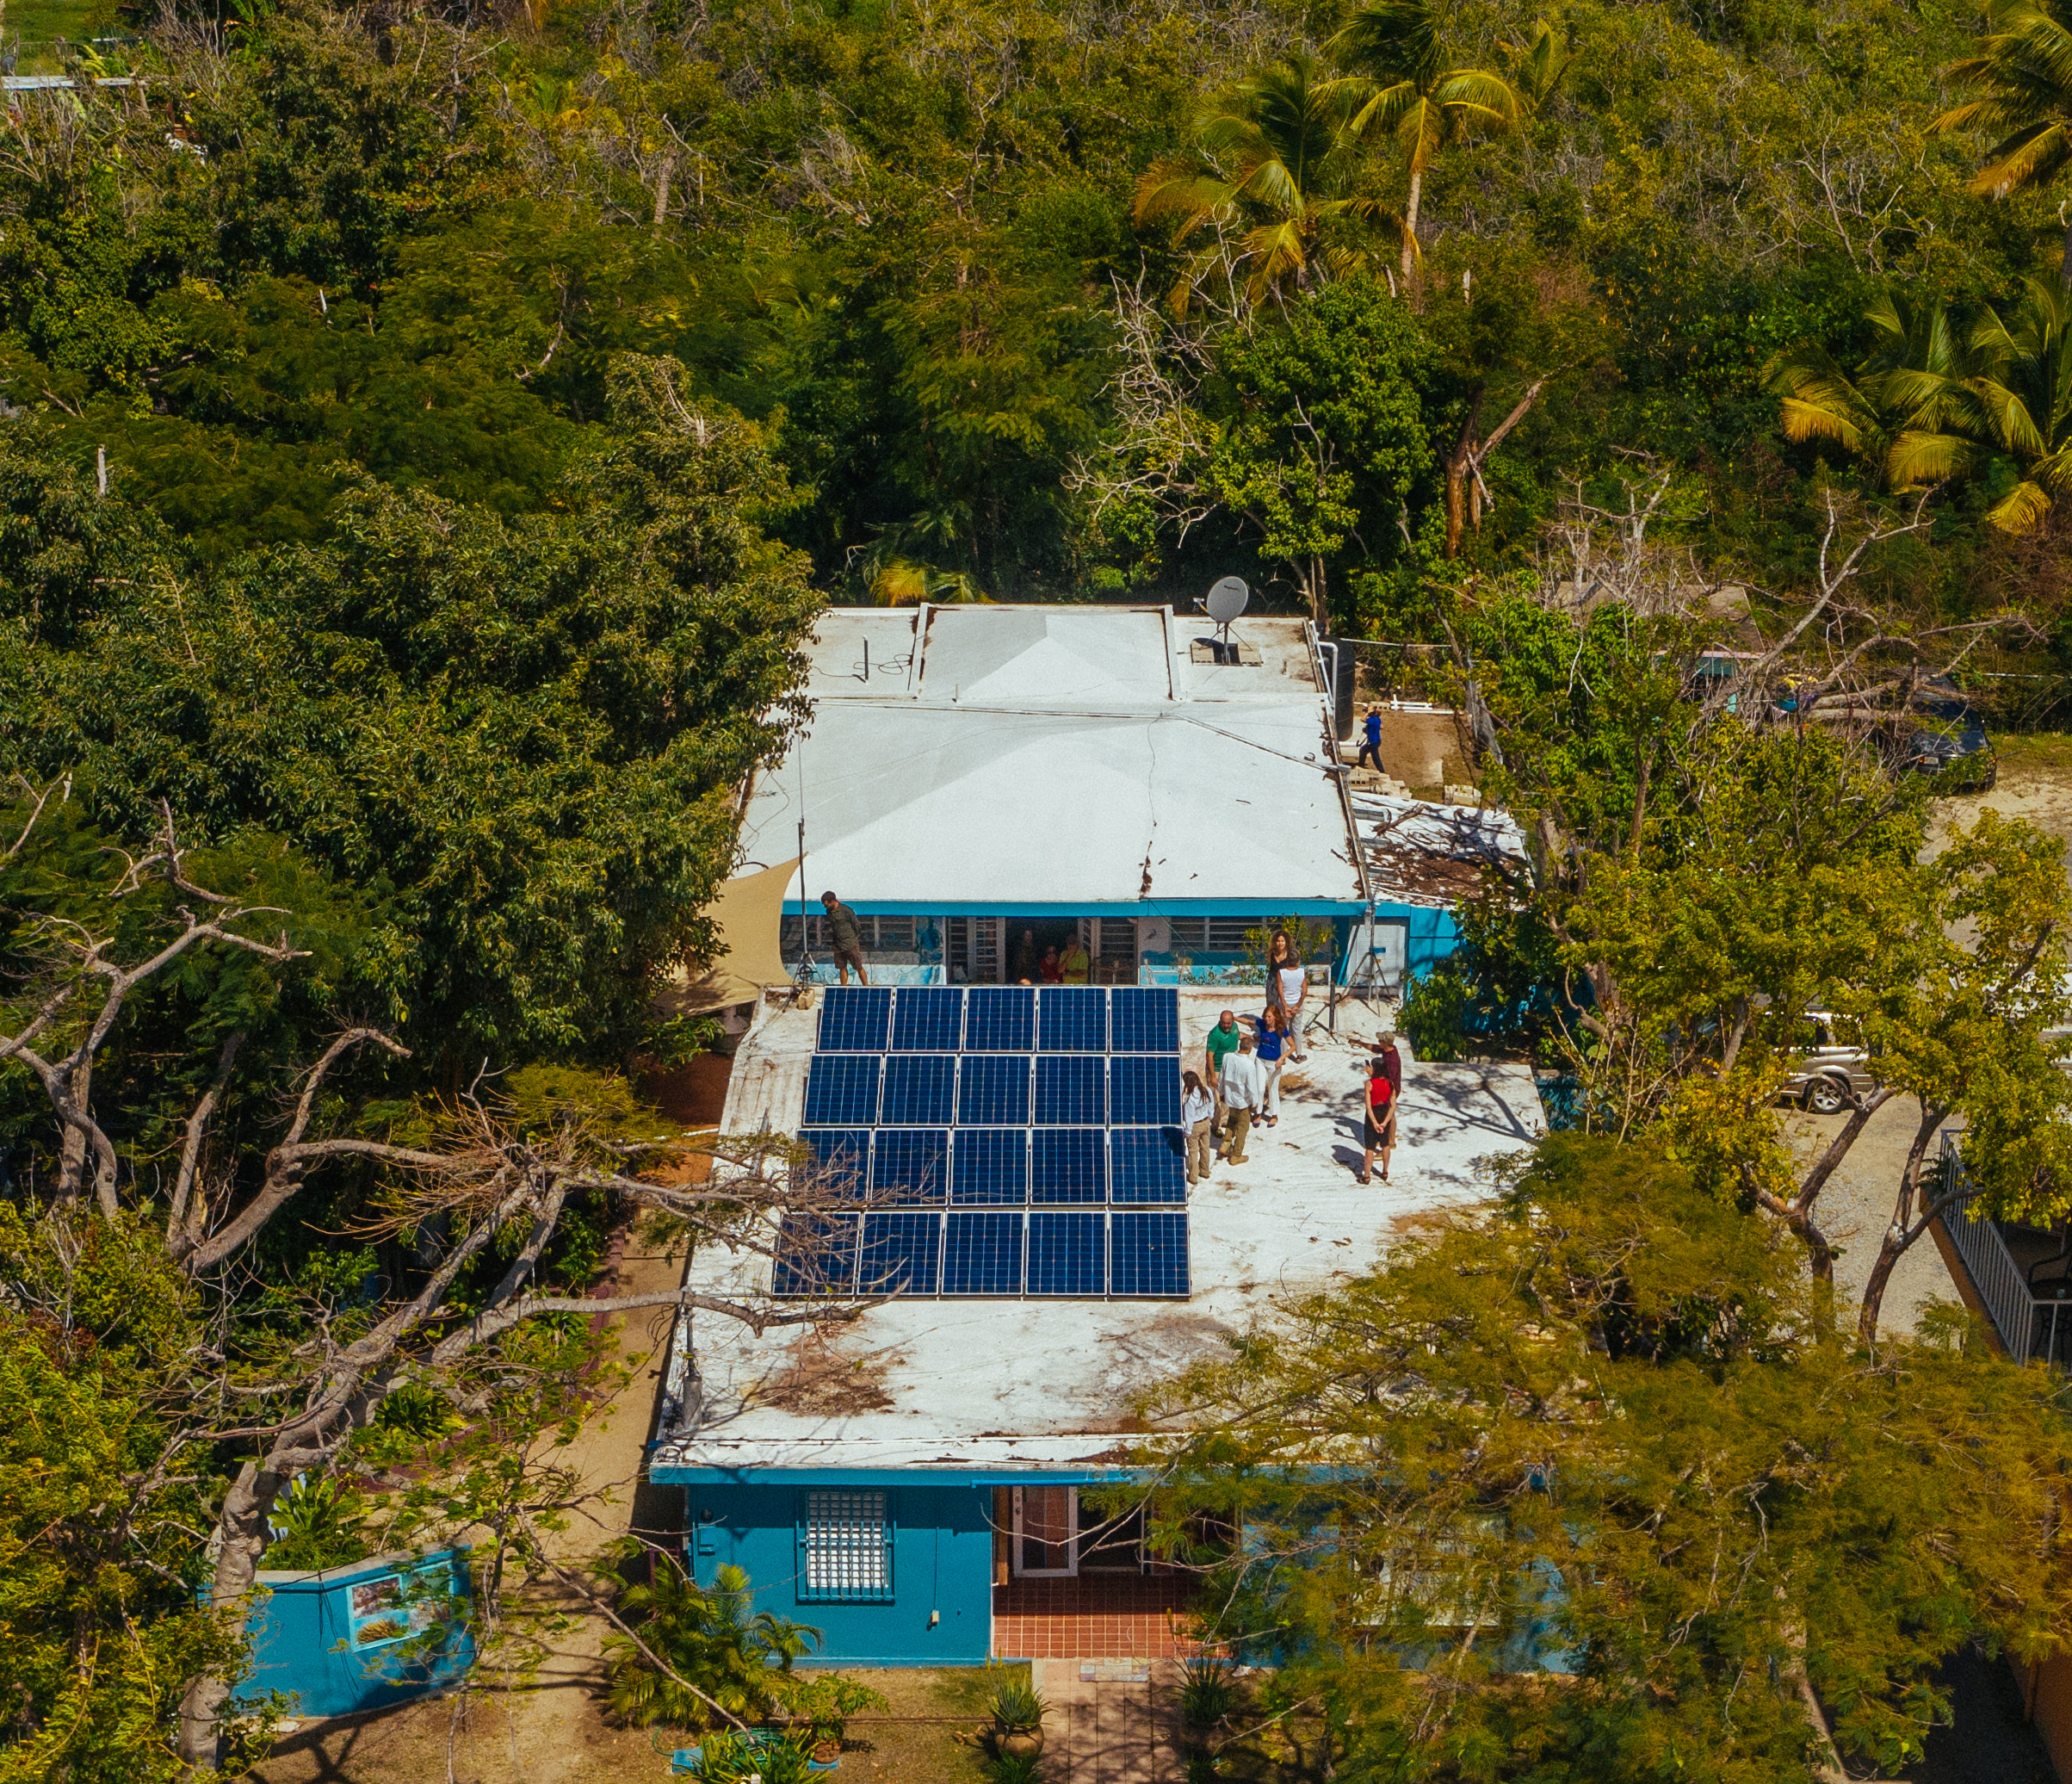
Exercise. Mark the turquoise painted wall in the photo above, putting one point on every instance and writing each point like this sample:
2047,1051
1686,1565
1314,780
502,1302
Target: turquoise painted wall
942,1563
318,1638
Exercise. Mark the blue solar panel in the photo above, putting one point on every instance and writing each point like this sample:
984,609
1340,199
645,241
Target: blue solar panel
854,1019
989,1167
1068,1164
1000,1018
920,1090
1144,1019
1148,1254
840,1156
1144,1091
902,1254
816,1255
993,1090
1072,1018
910,1165
928,1019
1067,1253
1069,1090
982,1254
842,1090
1146,1164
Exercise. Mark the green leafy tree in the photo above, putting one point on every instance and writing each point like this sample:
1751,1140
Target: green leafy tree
1327,445
2023,73
724,1658
1281,166
1403,87
1583,1486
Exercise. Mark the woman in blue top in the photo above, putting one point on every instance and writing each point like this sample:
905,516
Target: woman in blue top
1271,1051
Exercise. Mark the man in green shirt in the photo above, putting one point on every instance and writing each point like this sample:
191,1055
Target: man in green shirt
846,936
1223,1042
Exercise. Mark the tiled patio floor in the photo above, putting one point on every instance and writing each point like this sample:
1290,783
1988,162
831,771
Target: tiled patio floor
1095,1617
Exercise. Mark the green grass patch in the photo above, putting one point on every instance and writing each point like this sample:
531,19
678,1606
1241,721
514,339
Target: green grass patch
2041,755
40,23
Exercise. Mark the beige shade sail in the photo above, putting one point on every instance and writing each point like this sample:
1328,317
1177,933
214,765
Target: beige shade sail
745,912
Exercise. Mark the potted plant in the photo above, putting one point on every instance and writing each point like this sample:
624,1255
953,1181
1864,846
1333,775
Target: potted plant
1018,1719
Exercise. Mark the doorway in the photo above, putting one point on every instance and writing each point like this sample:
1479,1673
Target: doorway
1047,1533
1029,939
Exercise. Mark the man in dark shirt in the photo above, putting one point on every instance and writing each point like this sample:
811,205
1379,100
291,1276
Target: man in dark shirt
846,936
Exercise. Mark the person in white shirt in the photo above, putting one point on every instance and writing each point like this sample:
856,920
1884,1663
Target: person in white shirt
1287,984
1243,1088
1198,1123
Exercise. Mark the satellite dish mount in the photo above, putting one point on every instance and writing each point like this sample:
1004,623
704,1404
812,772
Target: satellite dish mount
1226,602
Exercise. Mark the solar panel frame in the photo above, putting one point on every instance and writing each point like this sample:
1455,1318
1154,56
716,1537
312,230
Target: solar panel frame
816,1255
910,1168
1067,1165
1148,1254
854,1019
993,1090
1147,1165
901,1254
989,1168
1143,1090
840,1160
982,1254
920,1090
1144,1019
1067,1254
928,1019
842,1090
1000,1018
1071,1090
1071,1018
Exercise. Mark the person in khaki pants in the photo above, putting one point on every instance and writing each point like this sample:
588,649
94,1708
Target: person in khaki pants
1243,1085
1198,1122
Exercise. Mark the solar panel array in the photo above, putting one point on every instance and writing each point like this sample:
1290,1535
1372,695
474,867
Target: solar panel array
1000,1141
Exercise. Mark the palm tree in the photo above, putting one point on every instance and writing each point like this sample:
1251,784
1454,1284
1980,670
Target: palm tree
2024,75
2017,405
1912,381
1279,160
1398,78
733,1656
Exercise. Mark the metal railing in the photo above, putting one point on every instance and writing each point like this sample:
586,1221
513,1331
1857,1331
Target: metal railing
2028,1326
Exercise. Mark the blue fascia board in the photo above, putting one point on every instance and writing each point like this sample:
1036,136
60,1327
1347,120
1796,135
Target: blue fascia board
974,1477
1148,908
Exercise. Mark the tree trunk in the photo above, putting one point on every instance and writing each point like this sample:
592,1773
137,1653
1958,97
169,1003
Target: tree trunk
242,1529
669,168
1905,1227
1417,187
1458,473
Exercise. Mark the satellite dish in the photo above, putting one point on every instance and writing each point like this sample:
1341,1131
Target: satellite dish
1228,598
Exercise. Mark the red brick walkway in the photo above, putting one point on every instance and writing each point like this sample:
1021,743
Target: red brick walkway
1095,1617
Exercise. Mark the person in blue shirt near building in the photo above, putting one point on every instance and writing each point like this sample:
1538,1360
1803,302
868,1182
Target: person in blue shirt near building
1271,1052
1373,745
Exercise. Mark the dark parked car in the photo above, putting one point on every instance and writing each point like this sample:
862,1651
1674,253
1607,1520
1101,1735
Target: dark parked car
1941,734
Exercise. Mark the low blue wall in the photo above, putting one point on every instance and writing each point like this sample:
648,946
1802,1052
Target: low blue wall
942,1569
362,1637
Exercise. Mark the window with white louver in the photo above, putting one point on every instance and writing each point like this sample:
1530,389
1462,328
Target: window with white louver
845,1548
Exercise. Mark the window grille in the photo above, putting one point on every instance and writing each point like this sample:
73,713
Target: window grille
844,1549
1213,935
895,934
816,932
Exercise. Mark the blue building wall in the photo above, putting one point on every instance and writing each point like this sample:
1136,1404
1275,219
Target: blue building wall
322,1637
1433,934
941,1609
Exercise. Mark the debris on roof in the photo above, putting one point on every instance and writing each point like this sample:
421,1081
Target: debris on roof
1422,853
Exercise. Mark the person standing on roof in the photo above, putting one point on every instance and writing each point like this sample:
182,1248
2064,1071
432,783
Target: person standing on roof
1222,1042
1287,984
1380,1136
1198,1119
1372,746
1392,1063
846,936
1271,1050
1075,964
1242,1087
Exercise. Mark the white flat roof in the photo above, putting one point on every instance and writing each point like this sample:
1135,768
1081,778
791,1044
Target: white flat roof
1014,756
925,1382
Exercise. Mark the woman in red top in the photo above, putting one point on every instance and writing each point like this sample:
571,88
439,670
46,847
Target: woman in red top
1381,1119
